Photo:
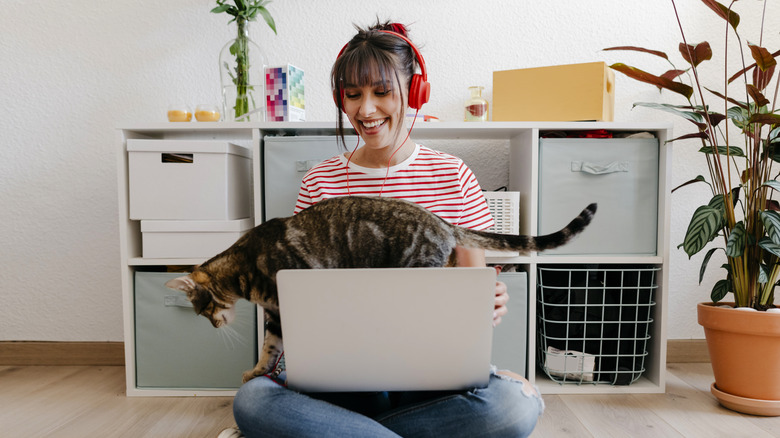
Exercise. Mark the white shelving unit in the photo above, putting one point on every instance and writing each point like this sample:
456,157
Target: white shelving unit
523,142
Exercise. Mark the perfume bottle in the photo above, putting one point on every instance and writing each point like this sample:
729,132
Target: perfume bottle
476,106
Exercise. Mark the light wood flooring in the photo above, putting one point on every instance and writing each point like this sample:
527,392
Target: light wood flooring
89,401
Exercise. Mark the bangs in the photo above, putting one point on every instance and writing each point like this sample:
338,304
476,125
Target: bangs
366,65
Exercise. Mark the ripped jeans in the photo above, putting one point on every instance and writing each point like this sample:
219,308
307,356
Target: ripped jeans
505,408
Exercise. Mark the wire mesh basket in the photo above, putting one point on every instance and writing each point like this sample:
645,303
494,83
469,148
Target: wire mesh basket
594,322
505,208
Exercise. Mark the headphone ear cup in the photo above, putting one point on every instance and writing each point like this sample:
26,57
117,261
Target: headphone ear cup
419,92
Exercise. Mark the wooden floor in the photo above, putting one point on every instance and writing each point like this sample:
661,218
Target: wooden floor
83,402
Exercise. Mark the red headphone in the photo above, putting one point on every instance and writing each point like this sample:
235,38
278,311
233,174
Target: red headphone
419,88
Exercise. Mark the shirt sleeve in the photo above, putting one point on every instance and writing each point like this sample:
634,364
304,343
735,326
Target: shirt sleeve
304,200
476,214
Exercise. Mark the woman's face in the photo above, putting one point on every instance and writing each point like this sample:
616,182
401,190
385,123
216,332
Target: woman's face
376,112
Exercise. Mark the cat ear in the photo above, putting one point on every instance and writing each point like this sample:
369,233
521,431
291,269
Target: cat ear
184,284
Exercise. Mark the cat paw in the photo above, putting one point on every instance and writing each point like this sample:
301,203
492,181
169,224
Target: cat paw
255,372
249,375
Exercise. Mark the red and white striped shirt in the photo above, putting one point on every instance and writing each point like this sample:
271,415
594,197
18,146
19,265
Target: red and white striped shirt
440,182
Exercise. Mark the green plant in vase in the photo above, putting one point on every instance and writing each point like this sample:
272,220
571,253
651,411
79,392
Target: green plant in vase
738,128
241,61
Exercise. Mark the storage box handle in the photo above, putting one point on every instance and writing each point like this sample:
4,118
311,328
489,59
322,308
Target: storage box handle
177,301
599,169
176,158
306,165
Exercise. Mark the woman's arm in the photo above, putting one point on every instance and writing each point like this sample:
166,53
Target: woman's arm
476,257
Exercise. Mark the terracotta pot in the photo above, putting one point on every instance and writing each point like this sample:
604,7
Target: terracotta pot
744,350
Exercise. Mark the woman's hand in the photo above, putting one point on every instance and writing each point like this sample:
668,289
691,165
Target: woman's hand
502,298
476,257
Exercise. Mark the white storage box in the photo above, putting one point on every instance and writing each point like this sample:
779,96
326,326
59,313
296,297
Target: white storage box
189,180
621,175
190,239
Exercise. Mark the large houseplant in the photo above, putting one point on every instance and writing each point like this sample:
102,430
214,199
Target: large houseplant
736,123
241,61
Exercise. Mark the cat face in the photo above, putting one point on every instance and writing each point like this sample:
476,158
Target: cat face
219,310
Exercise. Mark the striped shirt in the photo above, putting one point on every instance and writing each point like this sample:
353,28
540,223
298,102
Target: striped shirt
440,182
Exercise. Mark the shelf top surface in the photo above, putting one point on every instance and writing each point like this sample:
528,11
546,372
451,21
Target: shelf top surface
496,130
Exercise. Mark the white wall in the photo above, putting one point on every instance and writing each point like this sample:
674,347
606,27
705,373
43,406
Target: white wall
73,71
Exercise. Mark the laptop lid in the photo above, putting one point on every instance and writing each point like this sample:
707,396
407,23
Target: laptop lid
391,329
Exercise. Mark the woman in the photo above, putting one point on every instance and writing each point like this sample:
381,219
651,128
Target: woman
371,83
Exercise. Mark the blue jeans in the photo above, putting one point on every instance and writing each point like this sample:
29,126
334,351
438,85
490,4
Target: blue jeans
505,408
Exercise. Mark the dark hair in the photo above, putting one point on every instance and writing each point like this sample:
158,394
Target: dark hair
369,55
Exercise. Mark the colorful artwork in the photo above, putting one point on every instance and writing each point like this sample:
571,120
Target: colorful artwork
284,94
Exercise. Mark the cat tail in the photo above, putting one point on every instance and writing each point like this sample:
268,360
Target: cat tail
510,242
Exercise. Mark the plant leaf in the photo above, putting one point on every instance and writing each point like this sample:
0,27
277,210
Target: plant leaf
763,273
741,72
268,18
696,118
765,119
774,152
774,135
764,59
700,134
771,221
719,202
762,78
735,102
702,229
756,95
673,74
732,151
643,76
735,245
639,49
774,184
769,246
697,54
715,118
723,12
738,115
220,9
699,178
720,290
705,262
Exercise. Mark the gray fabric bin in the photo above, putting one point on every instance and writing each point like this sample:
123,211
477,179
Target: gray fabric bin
510,337
286,160
175,348
621,175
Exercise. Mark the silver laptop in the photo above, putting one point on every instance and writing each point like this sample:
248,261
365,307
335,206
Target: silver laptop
410,329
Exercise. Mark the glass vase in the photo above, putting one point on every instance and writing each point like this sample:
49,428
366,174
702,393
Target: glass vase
476,107
241,71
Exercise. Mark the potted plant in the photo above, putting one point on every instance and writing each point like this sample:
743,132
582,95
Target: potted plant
736,124
241,62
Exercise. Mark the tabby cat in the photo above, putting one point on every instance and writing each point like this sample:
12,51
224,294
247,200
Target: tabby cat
344,232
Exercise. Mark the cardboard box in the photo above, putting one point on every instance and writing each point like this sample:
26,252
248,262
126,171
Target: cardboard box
575,92
284,94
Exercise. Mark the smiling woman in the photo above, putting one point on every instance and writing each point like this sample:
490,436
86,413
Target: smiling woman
374,81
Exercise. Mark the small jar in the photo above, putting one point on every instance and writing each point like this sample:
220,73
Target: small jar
207,113
179,113
476,108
